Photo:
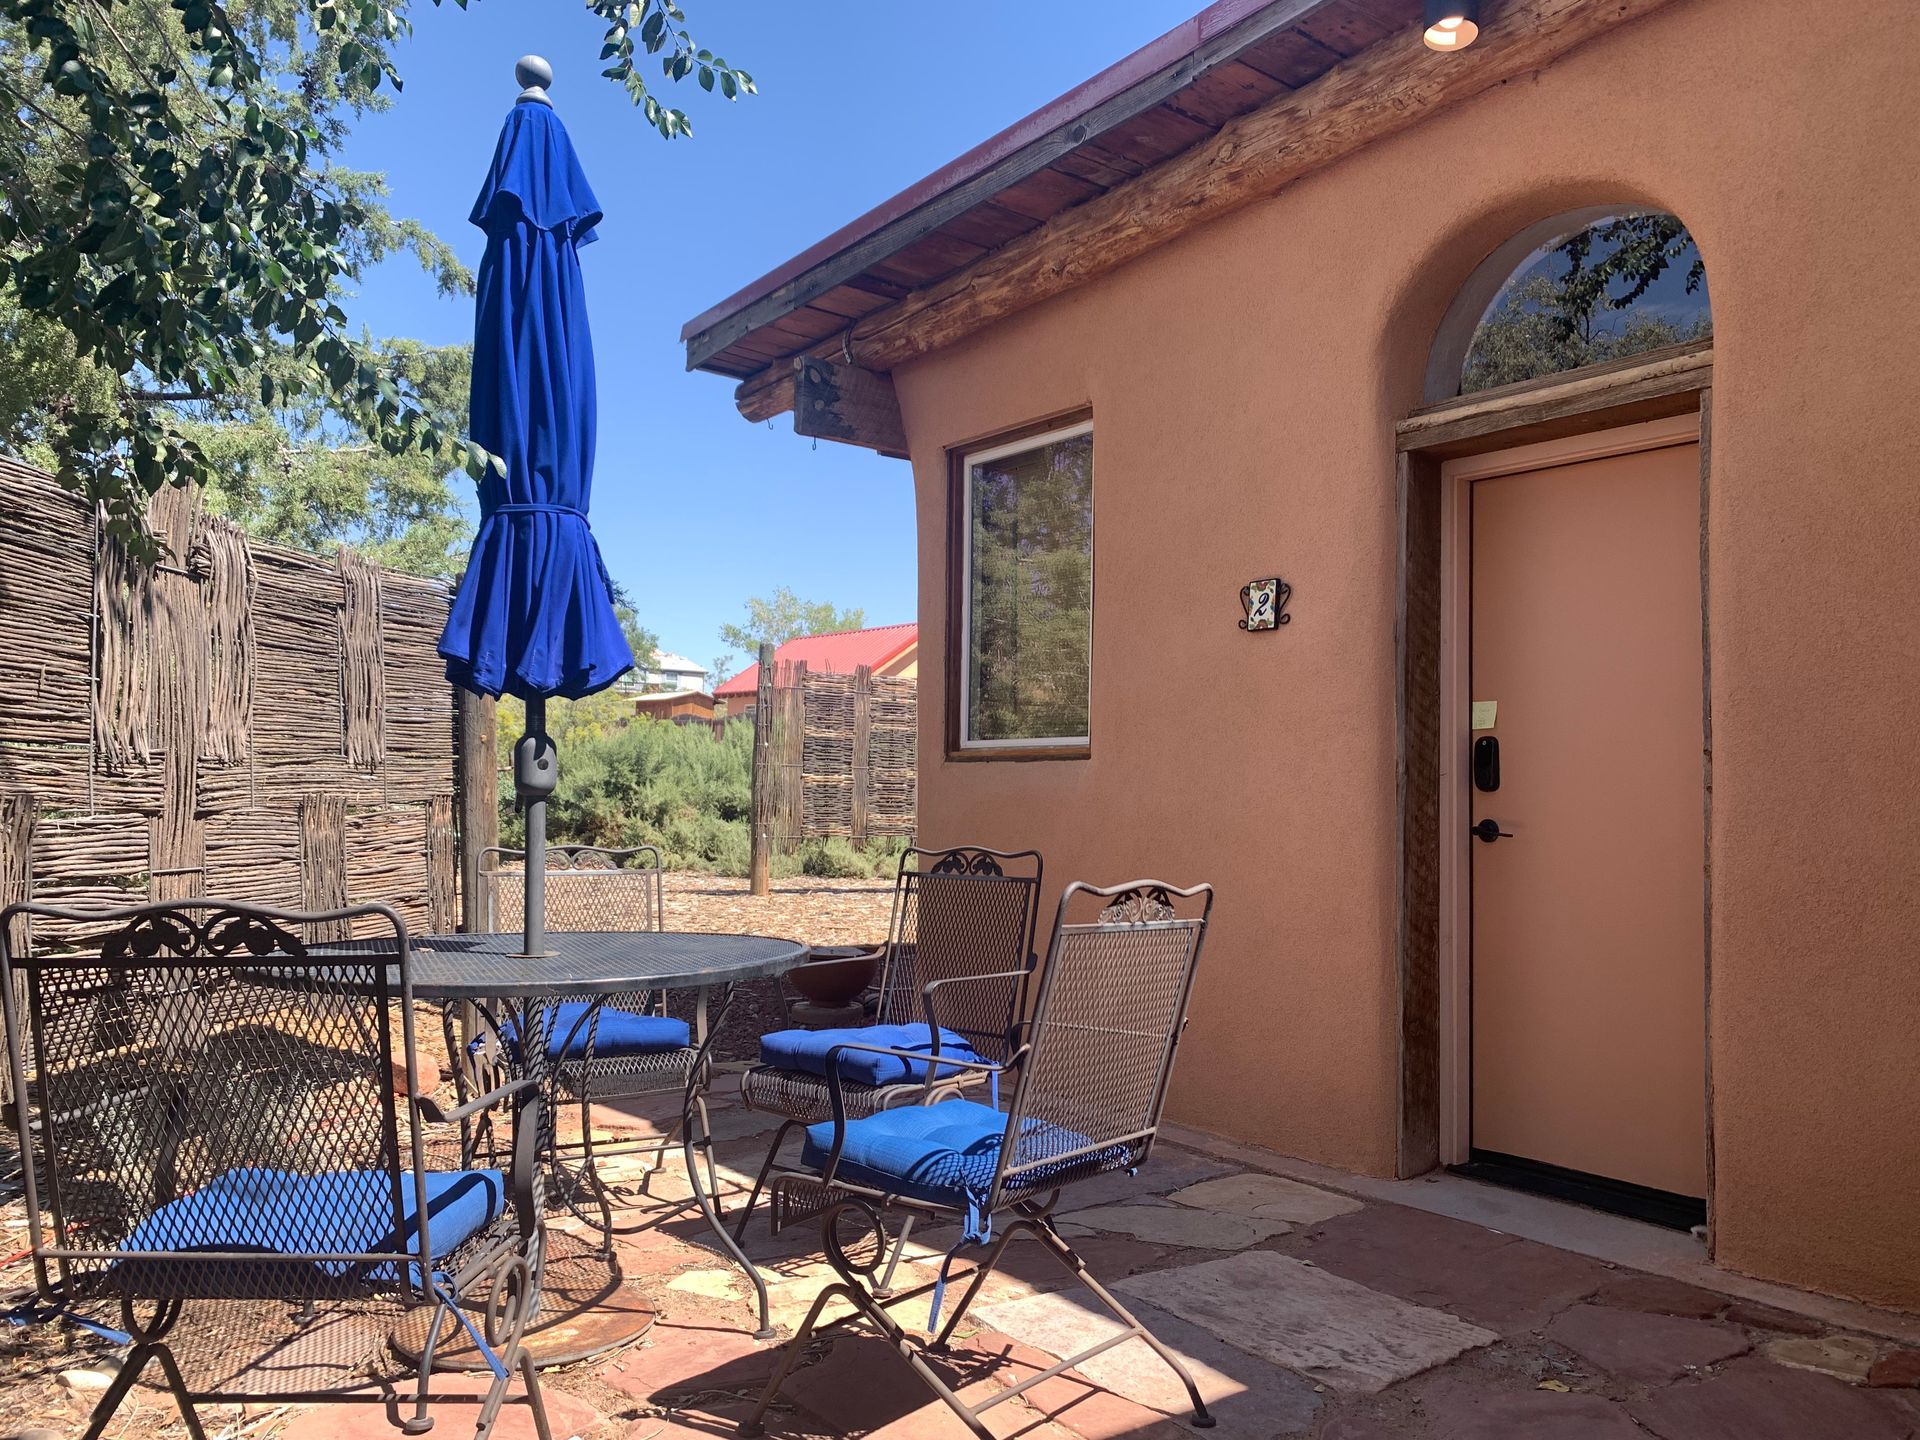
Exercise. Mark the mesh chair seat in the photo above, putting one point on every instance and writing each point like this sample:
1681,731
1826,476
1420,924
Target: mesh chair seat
641,1072
813,1052
802,1096
614,1034
337,1213
947,1154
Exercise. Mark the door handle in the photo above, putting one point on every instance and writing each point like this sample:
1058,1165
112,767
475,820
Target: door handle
1488,831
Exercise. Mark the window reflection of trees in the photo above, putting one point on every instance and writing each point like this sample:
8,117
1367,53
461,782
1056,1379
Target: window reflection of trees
1031,518
1625,285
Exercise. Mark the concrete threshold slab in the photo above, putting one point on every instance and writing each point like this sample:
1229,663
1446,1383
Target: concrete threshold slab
1592,1233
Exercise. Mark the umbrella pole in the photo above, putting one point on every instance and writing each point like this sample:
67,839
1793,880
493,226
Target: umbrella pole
534,776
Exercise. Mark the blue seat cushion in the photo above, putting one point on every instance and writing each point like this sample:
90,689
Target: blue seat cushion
617,1033
946,1153
808,1050
340,1212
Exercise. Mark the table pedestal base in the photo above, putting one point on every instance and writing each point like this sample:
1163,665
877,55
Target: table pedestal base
587,1307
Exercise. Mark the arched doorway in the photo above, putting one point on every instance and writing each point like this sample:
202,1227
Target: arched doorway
1553,495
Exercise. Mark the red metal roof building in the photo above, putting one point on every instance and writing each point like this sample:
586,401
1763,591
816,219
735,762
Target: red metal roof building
884,649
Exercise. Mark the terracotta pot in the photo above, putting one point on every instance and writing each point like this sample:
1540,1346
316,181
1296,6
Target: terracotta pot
835,974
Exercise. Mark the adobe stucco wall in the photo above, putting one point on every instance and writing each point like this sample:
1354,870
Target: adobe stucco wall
1245,381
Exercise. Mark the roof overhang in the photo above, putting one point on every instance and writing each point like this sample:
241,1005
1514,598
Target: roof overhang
1155,76
1229,108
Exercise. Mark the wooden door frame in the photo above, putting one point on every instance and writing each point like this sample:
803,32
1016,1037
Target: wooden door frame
1654,387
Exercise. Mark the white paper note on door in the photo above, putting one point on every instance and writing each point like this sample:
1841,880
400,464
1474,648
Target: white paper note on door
1483,713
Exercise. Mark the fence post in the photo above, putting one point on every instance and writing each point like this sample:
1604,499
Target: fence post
16,885
477,781
862,747
758,868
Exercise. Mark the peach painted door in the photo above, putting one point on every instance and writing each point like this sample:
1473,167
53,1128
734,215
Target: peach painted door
1588,965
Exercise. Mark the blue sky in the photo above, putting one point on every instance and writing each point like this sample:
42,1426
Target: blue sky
695,508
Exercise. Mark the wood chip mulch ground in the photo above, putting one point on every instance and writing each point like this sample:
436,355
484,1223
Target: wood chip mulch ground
819,912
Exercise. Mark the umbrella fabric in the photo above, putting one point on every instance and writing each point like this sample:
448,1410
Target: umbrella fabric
534,612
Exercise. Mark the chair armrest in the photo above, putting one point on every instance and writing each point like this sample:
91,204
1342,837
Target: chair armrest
927,994
434,1115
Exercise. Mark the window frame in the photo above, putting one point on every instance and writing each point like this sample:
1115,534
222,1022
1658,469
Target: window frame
960,460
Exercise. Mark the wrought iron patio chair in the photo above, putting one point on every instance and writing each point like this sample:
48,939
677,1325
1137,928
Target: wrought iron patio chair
618,1046
231,1165
1092,1081
958,955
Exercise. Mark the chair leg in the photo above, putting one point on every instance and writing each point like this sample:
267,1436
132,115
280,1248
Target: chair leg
177,1383
590,1172
885,1287
130,1369
1057,1246
658,1155
790,1352
421,1422
536,1402
985,1268
760,1180
889,1330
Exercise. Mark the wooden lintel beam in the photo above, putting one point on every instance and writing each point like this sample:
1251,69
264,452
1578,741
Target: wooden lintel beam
1379,92
845,403
1649,385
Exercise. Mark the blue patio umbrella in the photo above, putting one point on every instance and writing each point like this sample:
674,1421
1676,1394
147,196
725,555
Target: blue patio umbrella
534,613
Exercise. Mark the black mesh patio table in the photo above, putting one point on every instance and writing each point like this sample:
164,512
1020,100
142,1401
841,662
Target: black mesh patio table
589,965
584,963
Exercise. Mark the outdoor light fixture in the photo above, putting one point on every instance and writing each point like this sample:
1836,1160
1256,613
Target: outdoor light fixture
1452,24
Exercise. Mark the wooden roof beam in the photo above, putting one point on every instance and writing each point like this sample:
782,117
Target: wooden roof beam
830,401
1023,160
1379,92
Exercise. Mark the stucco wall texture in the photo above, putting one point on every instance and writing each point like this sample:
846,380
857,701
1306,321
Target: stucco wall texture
1245,380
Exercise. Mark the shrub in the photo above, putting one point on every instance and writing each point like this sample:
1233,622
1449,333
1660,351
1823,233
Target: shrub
627,781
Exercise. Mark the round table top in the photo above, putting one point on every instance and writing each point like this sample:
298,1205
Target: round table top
583,962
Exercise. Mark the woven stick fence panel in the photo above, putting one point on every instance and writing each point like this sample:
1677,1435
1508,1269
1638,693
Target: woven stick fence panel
857,756
443,899
254,855
787,792
181,629
363,701
420,719
230,721
225,565
46,580
323,854
381,844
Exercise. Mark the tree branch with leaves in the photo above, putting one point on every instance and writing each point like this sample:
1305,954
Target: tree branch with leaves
172,220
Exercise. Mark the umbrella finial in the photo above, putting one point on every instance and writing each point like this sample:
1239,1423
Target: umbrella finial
534,75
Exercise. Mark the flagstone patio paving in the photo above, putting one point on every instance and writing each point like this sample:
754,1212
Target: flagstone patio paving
1304,1313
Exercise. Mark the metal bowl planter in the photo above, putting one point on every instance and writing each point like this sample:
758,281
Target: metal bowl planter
835,974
